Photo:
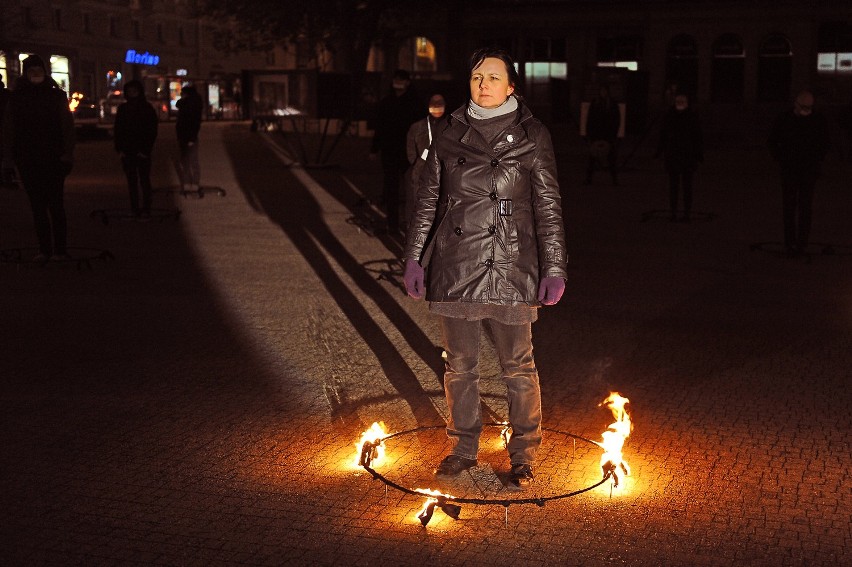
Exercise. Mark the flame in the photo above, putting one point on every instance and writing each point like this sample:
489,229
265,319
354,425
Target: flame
505,434
613,438
74,101
373,435
432,499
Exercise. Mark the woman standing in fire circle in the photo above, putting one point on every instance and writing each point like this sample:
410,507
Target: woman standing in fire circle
487,245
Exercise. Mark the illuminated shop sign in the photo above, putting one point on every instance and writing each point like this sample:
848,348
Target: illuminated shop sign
133,56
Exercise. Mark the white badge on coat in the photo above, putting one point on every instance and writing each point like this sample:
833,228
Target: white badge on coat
424,154
510,138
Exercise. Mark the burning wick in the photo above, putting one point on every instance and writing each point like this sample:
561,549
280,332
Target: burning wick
437,499
371,449
613,438
505,434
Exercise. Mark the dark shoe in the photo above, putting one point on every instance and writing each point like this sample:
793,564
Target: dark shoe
453,465
520,477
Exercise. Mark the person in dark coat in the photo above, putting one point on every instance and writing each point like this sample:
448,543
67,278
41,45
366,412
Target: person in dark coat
486,247
4,99
190,107
396,112
419,138
799,142
135,131
682,148
38,140
602,129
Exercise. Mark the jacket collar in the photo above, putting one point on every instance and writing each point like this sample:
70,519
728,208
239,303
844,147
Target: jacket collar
472,138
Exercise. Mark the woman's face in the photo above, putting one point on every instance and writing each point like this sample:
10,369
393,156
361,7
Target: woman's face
489,83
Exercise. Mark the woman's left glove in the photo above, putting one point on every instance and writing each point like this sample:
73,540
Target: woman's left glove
414,279
550,290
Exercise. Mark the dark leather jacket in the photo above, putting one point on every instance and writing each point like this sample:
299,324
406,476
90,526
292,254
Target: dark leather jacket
472,252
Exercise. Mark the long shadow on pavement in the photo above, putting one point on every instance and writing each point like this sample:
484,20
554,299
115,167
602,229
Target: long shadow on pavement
298,214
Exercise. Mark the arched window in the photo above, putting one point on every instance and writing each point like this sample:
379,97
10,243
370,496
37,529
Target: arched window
727,76
775,69
682,64
417,54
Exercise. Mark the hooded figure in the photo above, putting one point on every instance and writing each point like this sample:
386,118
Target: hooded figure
135,131
799,142
395,114
38,140
188,125
419,139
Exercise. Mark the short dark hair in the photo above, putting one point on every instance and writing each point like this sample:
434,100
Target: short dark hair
401,75
481,54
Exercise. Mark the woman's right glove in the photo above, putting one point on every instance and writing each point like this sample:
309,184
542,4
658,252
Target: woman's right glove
413,276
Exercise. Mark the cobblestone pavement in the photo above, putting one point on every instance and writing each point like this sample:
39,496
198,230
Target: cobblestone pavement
194,395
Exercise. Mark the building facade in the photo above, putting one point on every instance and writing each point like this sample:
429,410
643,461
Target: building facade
740,62
95,46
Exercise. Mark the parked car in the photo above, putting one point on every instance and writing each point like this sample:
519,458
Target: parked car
86,112
109,107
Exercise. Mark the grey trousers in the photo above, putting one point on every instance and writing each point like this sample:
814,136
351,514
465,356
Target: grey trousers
461,385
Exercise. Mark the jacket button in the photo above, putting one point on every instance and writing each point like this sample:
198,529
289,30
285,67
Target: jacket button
494,163
493,196
492,229
461,161
458,230
489,262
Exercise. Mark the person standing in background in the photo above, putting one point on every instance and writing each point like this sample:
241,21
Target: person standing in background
135,131
682,148
799,141
38,140
419,139
602,130
396,112
190,107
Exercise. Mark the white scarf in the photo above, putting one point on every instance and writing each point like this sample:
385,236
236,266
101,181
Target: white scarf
480,113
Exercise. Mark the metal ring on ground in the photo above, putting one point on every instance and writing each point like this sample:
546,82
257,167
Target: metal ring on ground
368,449
106,215
812,249
78,255
390,269
199,193
666,215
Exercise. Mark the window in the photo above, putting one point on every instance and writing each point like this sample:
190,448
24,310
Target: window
774,69
137,29
424,55
21,57
181,38
87,23
160,32
417,54
834,45
113,31
59,71
4,72
619,51
682,65
727,75
57,18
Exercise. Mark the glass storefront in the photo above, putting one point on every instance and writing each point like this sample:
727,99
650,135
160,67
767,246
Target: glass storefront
59,72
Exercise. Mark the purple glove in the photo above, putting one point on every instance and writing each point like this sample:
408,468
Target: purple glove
550,290
413,278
